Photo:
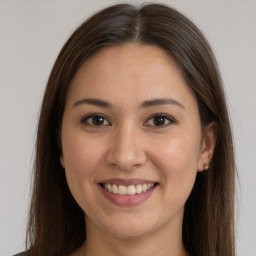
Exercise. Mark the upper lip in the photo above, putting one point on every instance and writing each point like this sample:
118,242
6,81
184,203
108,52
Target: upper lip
126,182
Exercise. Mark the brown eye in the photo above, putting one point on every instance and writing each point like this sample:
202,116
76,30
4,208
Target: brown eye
159,120
95,120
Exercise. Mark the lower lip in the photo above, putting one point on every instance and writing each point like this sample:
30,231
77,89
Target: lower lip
127,200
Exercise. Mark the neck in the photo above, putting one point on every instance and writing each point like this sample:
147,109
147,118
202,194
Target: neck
161,243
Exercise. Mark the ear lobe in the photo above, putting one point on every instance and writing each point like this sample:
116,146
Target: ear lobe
207,146
62,161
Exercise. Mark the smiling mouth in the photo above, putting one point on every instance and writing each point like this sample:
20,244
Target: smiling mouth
128,190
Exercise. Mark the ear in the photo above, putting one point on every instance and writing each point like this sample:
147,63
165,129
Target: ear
60,147
62,161
207,146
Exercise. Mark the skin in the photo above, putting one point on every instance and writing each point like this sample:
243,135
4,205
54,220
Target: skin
128,144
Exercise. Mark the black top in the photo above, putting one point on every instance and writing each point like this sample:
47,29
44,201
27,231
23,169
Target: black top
19,254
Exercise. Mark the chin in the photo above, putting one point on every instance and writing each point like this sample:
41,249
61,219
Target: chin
130,233
130,228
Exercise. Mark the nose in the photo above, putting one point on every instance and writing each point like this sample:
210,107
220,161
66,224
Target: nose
126,151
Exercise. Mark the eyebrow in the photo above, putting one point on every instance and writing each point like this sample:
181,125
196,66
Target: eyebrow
95,102
144,104
157,102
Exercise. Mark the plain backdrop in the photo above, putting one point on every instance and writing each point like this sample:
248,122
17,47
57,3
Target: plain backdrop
31,35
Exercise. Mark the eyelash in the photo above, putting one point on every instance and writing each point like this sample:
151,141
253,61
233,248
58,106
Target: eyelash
85,120
165,117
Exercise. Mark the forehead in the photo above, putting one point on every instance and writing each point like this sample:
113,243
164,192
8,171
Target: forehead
130,71
128,56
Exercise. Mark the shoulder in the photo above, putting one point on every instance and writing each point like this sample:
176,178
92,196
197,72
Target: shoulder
19,254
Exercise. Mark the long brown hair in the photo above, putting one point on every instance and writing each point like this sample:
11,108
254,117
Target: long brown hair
56,223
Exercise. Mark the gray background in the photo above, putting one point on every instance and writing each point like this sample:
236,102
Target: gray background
31,35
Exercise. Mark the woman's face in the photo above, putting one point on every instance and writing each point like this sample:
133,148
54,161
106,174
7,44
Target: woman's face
132,141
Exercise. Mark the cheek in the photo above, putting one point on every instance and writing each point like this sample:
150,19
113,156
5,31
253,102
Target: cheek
82,158
80,155
178,152
177,162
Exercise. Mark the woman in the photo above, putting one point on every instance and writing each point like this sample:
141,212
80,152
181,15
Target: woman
134,151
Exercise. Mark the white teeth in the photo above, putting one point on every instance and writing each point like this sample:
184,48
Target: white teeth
131,190
109,188
115,189
121,190
144,187
128,190
138,189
